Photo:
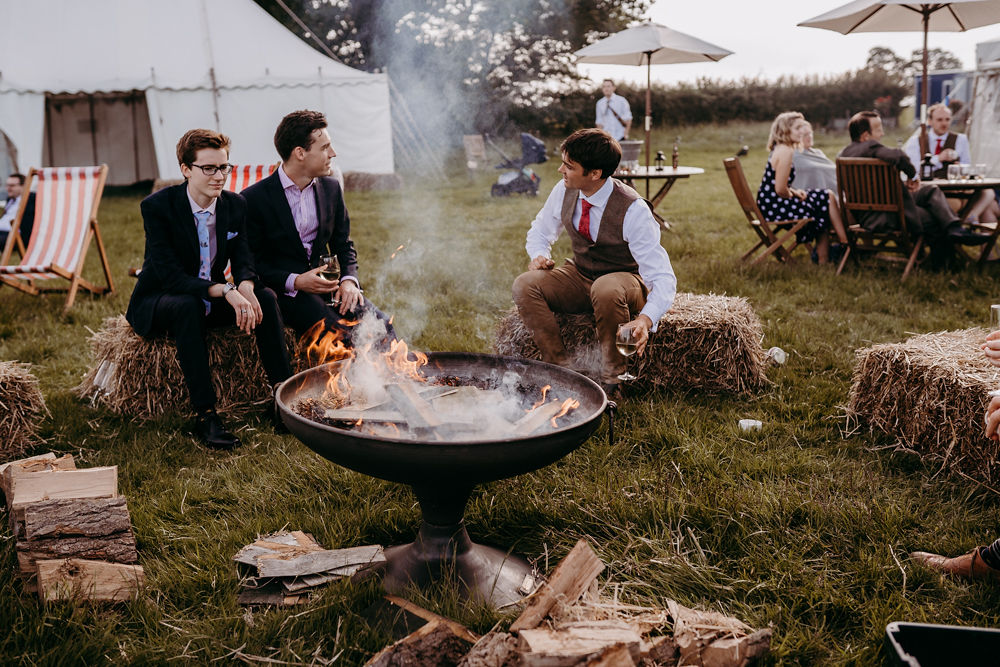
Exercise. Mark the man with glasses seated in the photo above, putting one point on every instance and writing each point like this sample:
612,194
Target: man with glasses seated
192,231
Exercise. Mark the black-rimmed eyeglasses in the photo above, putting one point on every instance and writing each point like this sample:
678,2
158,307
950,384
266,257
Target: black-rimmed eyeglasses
211,169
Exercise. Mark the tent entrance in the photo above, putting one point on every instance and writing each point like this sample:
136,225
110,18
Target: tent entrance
91,128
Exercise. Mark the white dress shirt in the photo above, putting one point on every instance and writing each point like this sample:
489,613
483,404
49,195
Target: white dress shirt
639,230
607,120
9,213
912,148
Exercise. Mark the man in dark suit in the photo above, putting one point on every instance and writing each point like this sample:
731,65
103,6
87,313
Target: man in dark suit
925,206
15,190
192,230
294,217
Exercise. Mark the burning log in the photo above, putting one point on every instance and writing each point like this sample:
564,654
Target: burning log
418,412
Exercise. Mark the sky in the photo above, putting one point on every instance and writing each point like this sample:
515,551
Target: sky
766,42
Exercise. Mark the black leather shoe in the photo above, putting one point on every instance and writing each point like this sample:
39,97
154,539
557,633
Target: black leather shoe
965,236
209,428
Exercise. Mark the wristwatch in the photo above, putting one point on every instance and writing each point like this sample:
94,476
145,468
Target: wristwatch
227,288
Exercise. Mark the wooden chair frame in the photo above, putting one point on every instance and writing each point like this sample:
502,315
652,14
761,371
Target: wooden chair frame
871,185
767,232
25,277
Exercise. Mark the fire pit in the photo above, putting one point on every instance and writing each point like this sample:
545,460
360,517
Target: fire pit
443,472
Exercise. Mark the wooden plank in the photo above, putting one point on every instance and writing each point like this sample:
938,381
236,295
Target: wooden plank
418,413
537,418
89,517
432,644
34,487
568,582
273,565
429,616
88,579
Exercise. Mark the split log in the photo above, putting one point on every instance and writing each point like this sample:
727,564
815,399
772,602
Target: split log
578,643
496,649
33,487
617,655
537,418
429,616
431,645
76,517
41,457
89,580
418,413
273,565
117,548
568,582
736,651
295,543
34,464
270,595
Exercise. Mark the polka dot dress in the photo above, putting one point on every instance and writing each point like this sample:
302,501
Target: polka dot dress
775,208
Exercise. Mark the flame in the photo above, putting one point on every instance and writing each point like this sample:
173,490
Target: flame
398,359
393,255
567,405
545,390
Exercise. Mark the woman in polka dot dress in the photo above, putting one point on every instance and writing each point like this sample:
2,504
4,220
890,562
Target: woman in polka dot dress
778,200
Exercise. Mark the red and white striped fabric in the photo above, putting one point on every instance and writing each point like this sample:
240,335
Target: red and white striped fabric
241,179
64,202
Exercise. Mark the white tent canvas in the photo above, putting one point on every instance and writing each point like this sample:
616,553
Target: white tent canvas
984,132
221,64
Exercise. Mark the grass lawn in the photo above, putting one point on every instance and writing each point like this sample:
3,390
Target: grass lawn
797,526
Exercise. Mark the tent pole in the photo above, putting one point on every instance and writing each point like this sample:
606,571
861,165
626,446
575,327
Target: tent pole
649,117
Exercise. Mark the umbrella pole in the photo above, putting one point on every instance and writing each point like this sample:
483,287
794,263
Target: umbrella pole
926,81
649,117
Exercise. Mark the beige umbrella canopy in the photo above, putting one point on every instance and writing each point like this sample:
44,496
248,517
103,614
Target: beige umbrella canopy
903,16
649,44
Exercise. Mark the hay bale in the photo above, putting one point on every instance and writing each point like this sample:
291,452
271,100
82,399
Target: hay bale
141,378
706,342
21,408
359,181
930,393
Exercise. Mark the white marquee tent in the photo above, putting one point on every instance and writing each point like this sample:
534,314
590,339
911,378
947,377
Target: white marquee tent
119,81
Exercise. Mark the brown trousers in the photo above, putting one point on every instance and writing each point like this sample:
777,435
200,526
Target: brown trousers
613,298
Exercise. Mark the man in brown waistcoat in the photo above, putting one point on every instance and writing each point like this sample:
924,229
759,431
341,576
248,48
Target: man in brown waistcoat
619,270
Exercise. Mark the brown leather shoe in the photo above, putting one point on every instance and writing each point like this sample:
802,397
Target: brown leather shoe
967,566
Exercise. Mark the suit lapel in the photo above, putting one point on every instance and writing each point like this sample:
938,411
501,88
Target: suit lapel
184,218
221,229
280,203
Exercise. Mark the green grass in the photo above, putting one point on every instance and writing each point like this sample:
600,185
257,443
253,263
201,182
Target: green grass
796,527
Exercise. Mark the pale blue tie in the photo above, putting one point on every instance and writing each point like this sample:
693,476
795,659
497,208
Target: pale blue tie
204,252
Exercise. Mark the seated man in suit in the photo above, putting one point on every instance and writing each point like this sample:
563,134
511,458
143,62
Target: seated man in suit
925,206
15,190
192,231
619,270
294,217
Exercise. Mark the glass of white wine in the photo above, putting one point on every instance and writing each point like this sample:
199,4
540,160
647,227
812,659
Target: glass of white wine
626,342
995,317
330,270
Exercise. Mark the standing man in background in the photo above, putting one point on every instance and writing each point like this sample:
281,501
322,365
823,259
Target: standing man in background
613,114
15,190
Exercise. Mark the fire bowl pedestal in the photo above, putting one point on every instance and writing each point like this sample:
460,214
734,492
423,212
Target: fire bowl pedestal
442,474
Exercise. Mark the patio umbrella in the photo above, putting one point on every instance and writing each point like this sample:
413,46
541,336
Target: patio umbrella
649,44
903,16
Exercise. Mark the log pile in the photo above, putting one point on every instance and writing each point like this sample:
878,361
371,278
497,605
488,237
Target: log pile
73,531
565,623
284,569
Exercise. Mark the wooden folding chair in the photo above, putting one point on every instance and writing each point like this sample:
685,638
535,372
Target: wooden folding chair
871,185
773,244
66,203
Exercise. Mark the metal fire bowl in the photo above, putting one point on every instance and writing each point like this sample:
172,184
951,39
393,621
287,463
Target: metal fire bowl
443,474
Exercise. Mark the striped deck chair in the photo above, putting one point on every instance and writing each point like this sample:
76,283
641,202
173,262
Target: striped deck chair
66,202
241,179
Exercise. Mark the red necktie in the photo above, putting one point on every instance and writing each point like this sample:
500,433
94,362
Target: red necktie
937,149
585,219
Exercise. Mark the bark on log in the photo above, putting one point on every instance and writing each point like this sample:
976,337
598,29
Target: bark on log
117,548
496,649
432,645
76,517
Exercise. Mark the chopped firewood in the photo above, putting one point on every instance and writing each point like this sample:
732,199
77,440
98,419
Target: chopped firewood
90,517
270,595
577,643
429,616
568,582
275,565
88,580
33,487
34,464
426,393
496,649
697,632
616,655
537,418
295,542
735,652
116,548
431,645
660,651
417,411
353,415
313,580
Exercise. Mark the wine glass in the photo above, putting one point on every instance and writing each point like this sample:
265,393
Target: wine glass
954,172
330,270
995,317
626,343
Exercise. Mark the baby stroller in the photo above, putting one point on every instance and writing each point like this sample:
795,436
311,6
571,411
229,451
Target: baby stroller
523,178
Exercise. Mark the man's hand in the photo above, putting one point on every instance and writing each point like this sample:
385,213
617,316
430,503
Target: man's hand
992,348
246,289
313,283
993,418
245,319
349,295
541,262
640,327
948,155
913,184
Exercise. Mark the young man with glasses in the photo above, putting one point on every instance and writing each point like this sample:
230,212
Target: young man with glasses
192,231
297,215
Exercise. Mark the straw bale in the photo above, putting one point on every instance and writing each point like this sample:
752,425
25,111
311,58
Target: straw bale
706,341
21,408
142,379
929,394
359,181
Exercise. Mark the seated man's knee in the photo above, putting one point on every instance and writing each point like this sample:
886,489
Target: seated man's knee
525,285
265,295
609,288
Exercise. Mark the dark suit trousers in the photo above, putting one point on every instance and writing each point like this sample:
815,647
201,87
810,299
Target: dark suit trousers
304,310
182,317
933,212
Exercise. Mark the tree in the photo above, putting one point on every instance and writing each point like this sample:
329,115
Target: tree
937,59
885,60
